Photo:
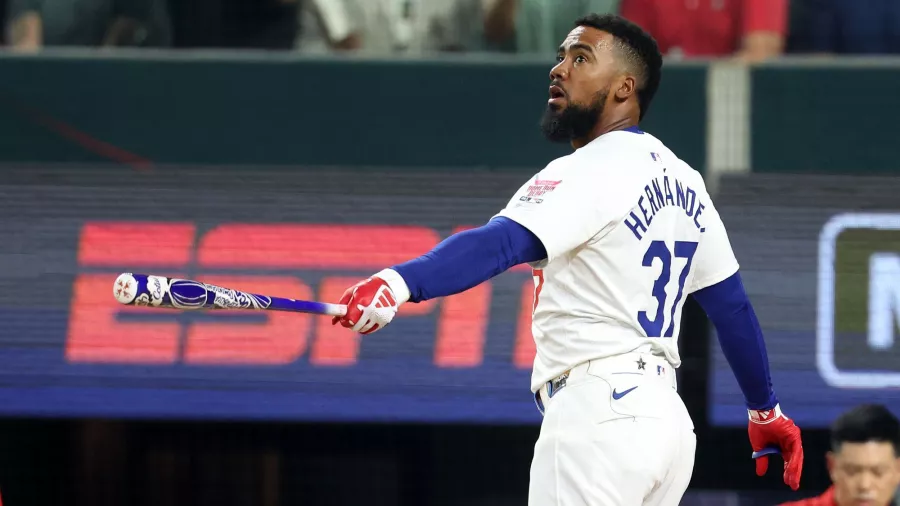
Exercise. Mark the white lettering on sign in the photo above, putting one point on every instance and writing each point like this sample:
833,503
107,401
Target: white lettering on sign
884,299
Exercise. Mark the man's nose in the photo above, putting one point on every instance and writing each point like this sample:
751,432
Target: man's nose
559,72
866,482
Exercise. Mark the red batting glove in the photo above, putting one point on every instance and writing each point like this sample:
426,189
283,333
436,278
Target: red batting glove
772,432
371,305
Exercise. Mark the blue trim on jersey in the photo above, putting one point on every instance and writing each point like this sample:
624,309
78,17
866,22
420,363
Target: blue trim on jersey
727,305
469,258
634,129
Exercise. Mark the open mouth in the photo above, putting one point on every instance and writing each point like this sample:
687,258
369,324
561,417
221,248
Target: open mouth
557,96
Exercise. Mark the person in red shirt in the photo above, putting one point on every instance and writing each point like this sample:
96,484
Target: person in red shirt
864,461
753,30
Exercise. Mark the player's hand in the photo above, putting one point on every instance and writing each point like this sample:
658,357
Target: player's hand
371,305
772,432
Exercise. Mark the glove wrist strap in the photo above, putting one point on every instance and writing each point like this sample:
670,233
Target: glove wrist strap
395,282
764,416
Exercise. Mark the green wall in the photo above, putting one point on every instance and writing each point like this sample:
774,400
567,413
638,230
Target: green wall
826,119
287,110
296,111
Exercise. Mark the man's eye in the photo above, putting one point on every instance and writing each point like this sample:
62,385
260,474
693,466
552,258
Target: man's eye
580,59
559,59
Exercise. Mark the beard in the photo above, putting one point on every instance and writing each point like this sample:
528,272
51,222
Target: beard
573,121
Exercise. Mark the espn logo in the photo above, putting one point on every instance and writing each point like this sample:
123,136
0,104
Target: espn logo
859,301
307,261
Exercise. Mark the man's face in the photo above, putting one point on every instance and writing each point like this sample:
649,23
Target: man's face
579,84
864,474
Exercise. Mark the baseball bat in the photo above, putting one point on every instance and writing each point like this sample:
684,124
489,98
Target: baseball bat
189,295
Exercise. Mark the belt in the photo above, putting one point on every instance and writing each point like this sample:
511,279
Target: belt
633,363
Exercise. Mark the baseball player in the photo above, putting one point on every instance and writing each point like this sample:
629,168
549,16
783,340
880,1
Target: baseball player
618,234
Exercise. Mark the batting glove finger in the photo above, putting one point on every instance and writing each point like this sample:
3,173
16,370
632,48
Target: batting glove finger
793,463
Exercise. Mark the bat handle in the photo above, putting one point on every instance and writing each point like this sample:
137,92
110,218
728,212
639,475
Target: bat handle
335,309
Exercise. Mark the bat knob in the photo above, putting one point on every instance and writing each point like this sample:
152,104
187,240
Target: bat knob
125,288
769,450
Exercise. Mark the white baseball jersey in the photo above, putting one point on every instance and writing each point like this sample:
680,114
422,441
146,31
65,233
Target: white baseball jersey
629,231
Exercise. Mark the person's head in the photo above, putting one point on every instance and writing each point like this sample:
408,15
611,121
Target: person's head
607,71
864,461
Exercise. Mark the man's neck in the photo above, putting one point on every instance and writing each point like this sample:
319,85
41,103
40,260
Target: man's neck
604,127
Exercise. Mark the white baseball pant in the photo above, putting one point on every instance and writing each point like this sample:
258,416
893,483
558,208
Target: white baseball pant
617,434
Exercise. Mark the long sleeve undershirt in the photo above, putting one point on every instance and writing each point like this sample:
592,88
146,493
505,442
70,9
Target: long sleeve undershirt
469,258
728,307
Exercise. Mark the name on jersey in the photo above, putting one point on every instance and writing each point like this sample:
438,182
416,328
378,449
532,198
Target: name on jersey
536,191
657,196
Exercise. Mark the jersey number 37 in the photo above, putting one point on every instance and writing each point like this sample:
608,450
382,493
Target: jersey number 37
659,250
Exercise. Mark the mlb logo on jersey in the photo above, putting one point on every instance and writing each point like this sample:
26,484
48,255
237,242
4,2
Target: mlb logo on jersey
538,189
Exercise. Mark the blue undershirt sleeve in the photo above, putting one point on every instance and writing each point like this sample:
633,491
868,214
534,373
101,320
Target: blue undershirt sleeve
728,307
469,258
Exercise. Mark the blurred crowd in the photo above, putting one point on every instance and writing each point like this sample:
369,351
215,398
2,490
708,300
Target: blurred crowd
753,30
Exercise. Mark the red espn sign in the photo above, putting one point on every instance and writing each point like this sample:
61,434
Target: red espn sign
95,335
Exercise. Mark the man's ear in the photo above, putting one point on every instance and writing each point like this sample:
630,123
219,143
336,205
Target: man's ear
626,86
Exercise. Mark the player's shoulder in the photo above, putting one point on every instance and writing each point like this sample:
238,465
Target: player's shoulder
678,166
621,151
685,170
602,153
571,167
632,145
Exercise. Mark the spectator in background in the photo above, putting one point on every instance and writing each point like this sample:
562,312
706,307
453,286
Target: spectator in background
386,27
536,26
752,30
32,24
864,461
235,24
845,27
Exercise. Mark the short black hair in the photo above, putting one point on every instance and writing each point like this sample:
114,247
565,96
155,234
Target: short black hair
639,49
866,423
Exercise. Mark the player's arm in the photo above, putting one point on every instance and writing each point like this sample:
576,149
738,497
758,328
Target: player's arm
719,290
526,231
461,261
467,259
729,309
740,336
